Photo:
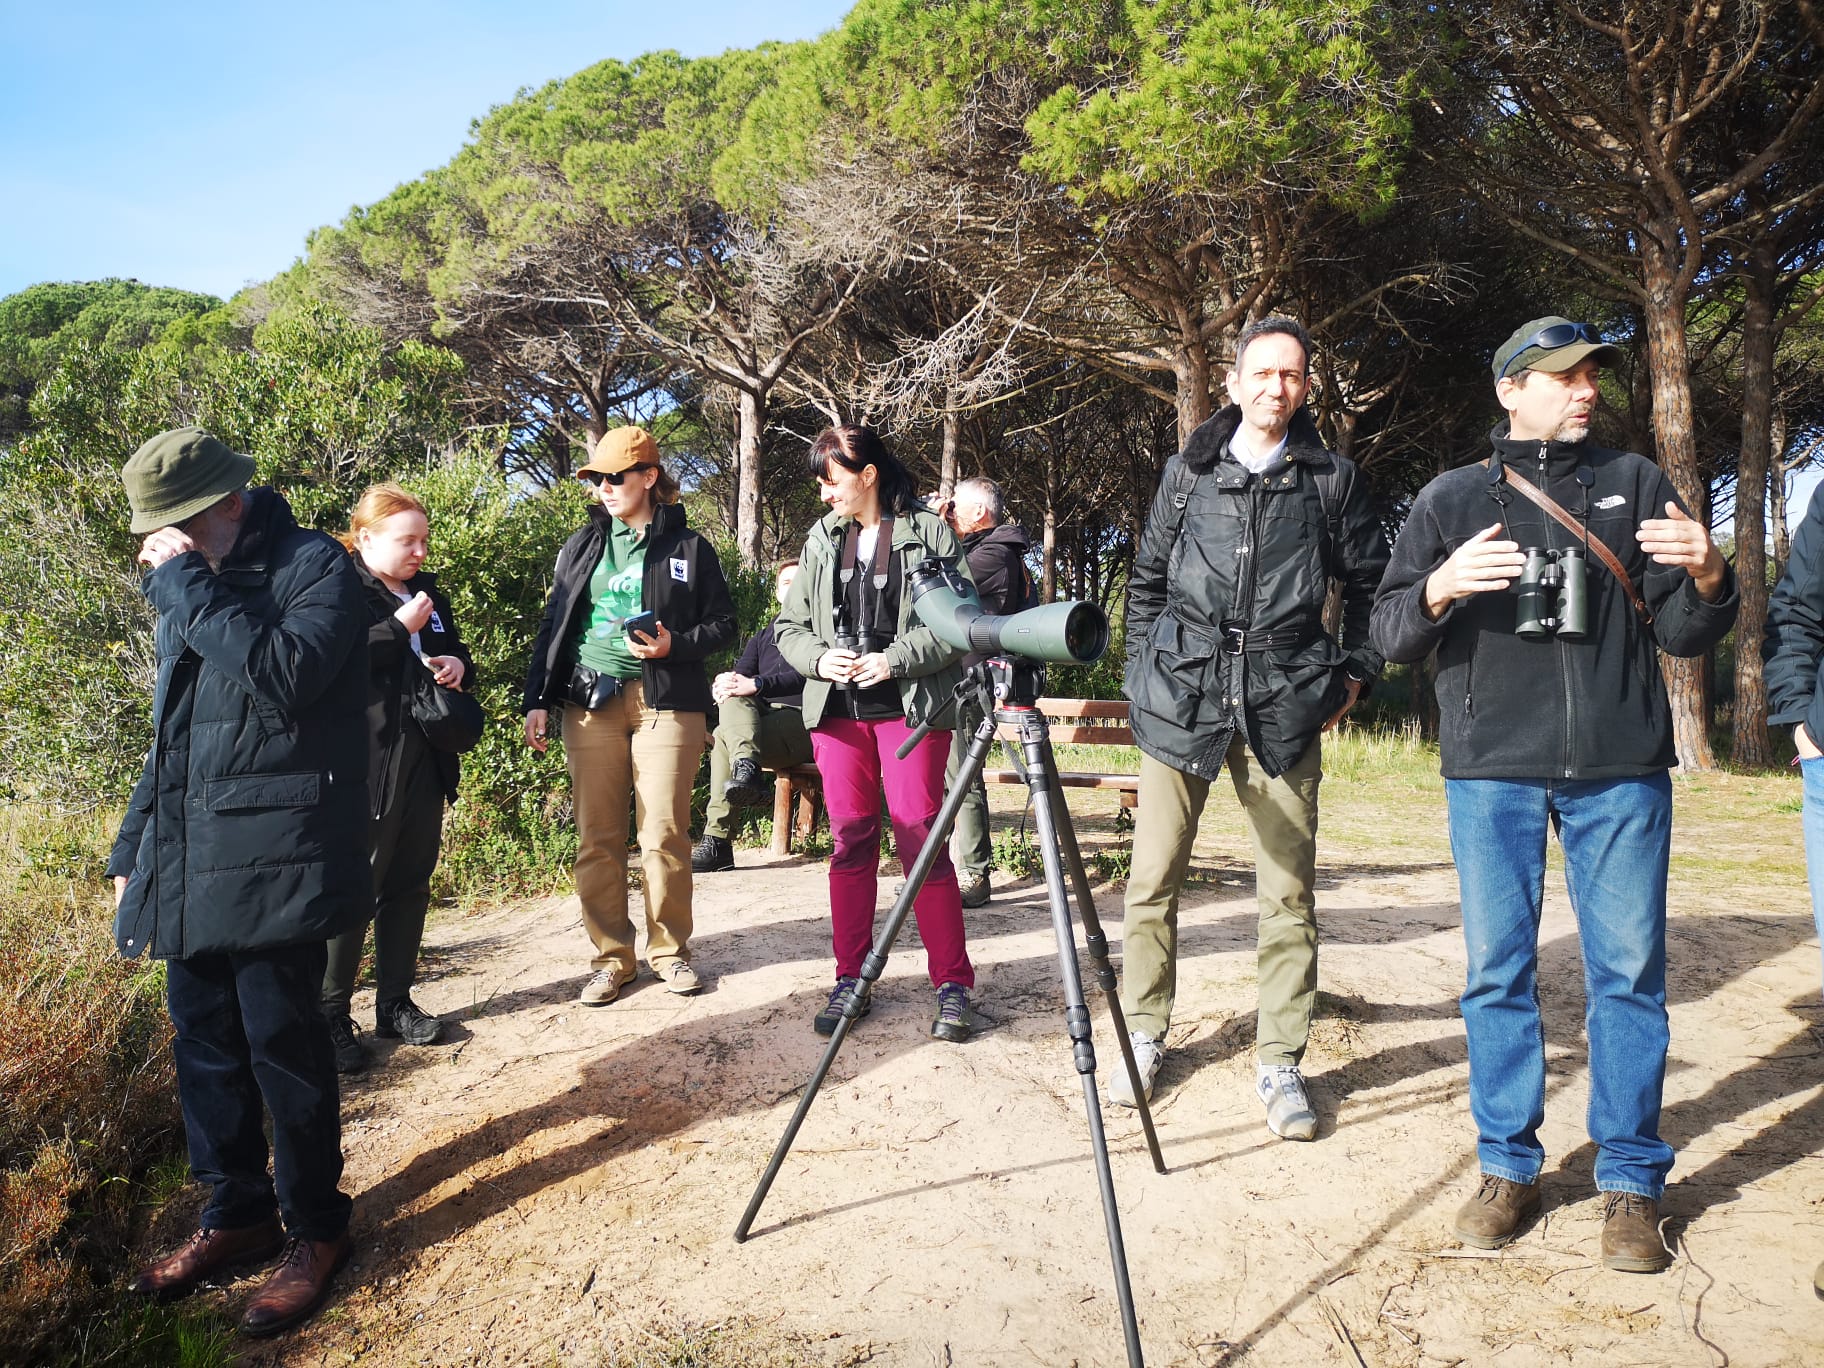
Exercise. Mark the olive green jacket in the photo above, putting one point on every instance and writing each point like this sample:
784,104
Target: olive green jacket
926,668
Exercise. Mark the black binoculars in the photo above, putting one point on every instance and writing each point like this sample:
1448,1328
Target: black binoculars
863,642
1554,595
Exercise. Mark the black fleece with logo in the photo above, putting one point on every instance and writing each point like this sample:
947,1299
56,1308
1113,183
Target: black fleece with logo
1512,708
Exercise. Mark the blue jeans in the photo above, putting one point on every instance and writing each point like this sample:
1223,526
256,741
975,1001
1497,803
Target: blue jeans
252,1042
1813,770
1617,839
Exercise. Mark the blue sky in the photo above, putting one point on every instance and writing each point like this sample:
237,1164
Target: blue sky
195,144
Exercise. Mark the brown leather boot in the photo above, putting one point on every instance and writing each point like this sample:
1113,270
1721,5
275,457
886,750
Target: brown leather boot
1492,1217
297,1286
1630,1234
206,1253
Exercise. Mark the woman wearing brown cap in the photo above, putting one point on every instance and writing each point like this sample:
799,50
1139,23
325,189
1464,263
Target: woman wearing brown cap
637,604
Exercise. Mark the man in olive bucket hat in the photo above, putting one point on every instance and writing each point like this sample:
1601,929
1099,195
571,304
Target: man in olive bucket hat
243,851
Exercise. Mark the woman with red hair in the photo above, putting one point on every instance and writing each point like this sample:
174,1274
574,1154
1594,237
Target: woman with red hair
407,779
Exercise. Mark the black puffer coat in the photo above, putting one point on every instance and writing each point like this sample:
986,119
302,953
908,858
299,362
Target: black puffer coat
390,681
683,585
1257,552
249,828
1510,708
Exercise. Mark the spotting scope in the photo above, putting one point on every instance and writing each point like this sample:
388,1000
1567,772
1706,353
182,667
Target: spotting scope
946,602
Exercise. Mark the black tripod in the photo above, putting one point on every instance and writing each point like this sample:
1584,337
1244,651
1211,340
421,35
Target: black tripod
1009,690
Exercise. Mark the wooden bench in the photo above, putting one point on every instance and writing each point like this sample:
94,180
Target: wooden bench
1086,722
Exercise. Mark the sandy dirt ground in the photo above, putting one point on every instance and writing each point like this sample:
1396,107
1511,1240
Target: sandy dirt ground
554,1180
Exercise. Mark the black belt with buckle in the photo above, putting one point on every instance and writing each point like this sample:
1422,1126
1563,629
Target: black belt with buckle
1237,638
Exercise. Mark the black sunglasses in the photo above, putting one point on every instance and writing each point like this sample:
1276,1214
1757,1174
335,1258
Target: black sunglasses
1553,337
613,477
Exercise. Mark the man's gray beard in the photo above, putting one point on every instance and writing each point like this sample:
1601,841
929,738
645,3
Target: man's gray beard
1572,430
215,537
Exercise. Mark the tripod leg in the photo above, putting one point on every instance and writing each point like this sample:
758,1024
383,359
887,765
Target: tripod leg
1040,778
1096,941
875,964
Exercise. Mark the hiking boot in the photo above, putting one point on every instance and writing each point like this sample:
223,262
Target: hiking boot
1492,1217
711,854
207,1253
1282,1089
679,977
1630,1234
351,1054
604,986
825,1021
405,1020
296,1287
744,788
975,889
1149,1055
954,1021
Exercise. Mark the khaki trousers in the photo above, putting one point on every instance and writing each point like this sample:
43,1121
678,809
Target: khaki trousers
1282,815
621,750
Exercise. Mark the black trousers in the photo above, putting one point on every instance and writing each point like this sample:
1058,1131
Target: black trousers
252,1042
407,839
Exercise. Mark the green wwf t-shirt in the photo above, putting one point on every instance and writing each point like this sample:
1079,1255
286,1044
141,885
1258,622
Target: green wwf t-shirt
615,591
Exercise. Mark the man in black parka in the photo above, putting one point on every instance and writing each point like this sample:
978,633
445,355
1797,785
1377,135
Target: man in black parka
1229,666
244,850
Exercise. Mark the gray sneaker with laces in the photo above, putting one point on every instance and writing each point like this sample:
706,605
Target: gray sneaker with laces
1282,1090
1149,1055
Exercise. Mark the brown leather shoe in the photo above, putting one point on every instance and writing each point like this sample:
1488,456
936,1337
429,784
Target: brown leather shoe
206,1253
1630,1234
1492,1217
296,1287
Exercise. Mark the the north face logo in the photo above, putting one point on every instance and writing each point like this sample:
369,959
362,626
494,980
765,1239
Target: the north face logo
1612,501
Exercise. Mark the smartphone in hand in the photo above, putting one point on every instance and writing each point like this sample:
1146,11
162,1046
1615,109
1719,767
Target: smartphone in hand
641,622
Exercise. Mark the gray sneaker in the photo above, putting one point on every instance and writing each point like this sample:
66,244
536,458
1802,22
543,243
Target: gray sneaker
604,986
1282,1090
1149,1054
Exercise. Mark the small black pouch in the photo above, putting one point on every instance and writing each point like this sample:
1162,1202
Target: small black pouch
591,689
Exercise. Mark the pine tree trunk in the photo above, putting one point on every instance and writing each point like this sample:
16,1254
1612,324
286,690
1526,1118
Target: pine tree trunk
1668,363
1753,747
946,460
1191,366
747,508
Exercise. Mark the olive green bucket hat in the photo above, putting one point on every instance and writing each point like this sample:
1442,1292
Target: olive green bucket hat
178,474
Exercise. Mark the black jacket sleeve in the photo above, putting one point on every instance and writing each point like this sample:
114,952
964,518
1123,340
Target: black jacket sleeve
288,662
1683,623
1146,581
1398,627
1361,561
1795,624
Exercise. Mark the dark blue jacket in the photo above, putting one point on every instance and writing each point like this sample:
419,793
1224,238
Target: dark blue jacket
774,678
249,829
1795,631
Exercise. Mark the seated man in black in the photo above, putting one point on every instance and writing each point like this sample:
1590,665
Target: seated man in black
759,725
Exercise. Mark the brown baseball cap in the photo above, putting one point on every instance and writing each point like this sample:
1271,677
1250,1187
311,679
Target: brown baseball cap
620,449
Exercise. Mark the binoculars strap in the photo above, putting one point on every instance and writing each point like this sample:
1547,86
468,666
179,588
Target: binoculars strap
1595,543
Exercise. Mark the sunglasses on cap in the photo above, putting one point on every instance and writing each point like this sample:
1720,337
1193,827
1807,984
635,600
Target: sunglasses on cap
613,477
1551,338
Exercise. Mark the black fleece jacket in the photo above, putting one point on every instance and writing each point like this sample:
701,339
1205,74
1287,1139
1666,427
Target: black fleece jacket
1511,708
